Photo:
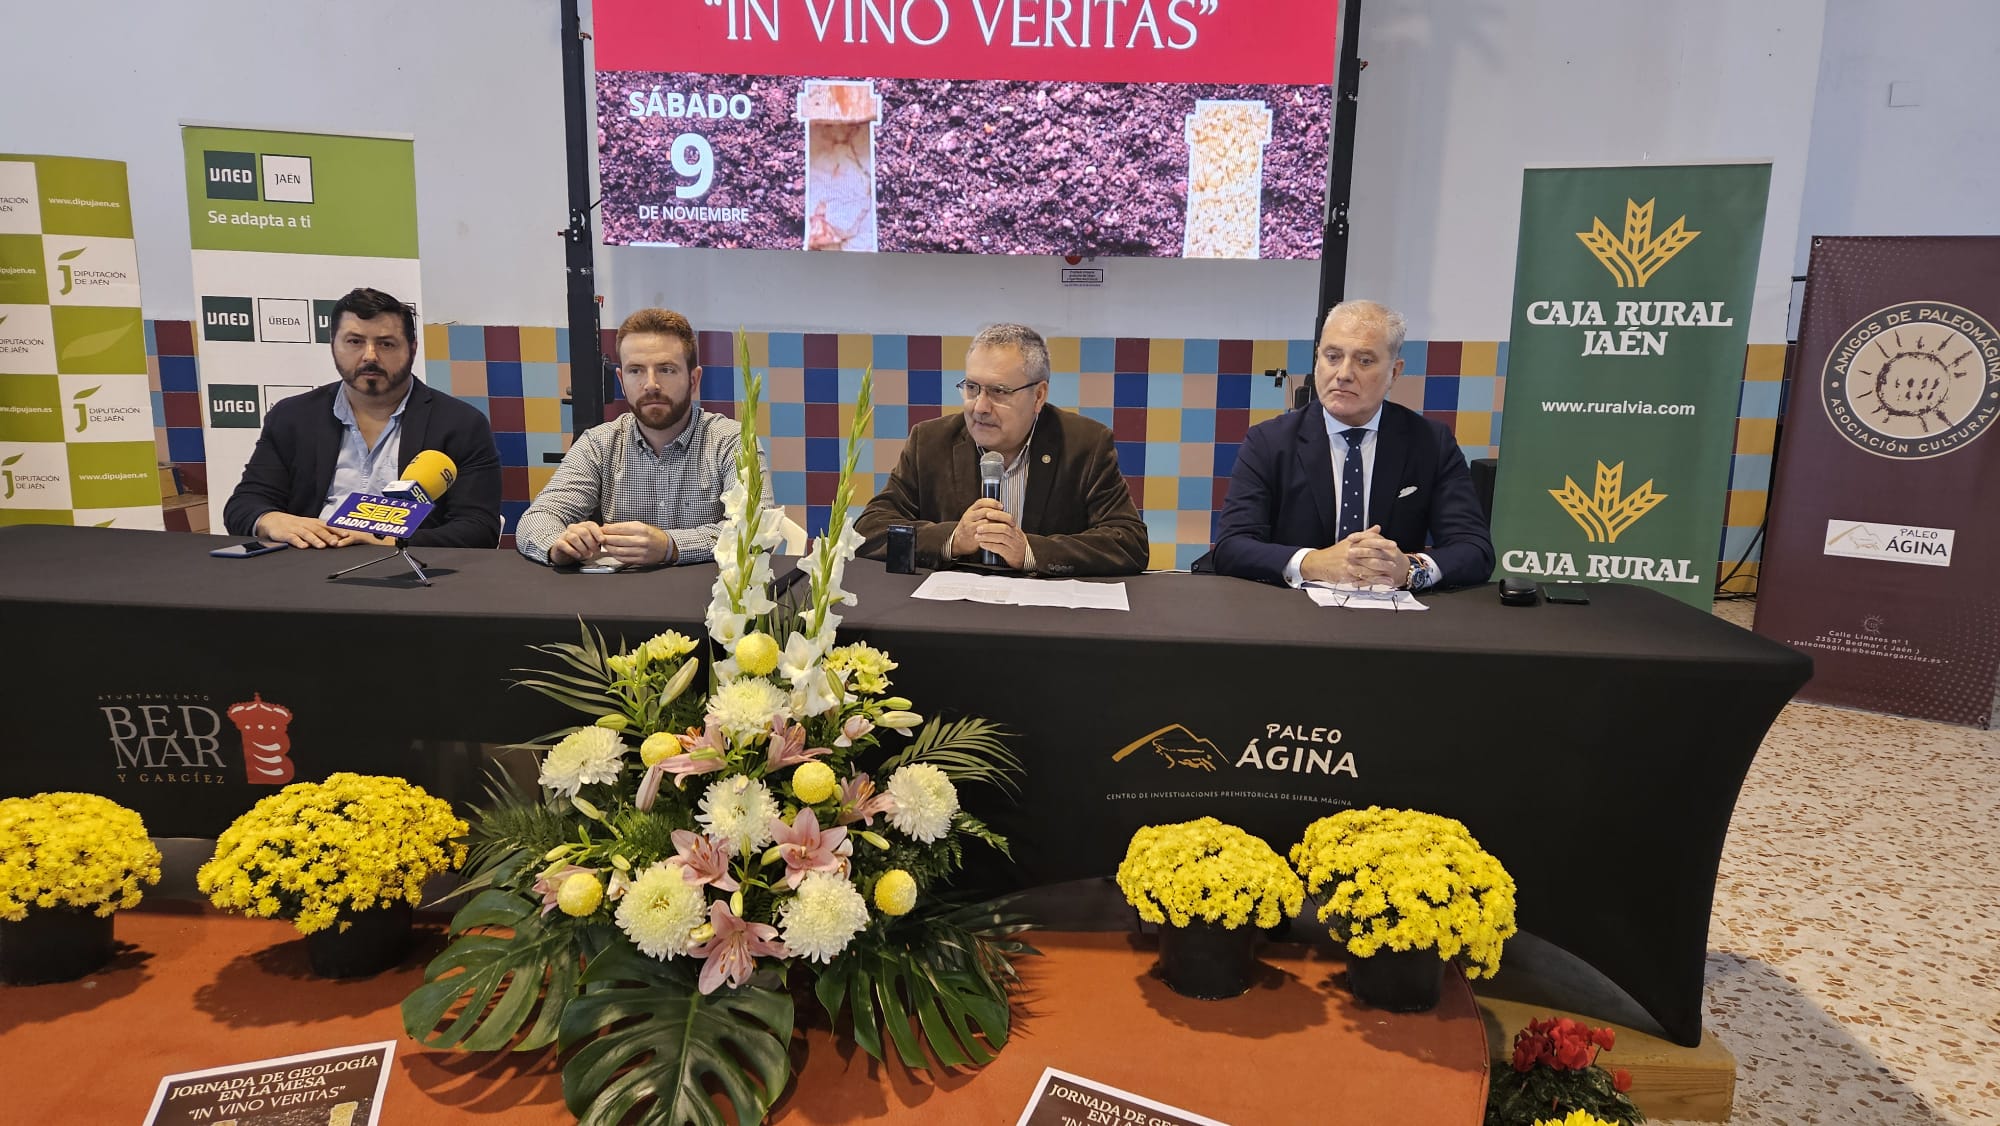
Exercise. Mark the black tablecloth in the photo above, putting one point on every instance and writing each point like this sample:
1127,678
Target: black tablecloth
1597,750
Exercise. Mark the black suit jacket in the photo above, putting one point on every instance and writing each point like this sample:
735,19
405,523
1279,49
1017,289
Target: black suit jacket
1281,496
1078,513
292,466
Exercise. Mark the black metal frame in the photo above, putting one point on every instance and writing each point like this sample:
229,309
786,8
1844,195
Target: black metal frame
586,348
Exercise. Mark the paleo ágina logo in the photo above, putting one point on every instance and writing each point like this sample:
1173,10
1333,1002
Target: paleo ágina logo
1284,747
1635,258
177,737
1915,380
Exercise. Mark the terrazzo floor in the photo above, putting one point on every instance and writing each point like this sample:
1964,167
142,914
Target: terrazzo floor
1854,953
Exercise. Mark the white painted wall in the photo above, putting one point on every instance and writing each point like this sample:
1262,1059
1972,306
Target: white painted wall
1930,167
1460,94
478,83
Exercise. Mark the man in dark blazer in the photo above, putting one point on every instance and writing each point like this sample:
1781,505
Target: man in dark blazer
358,434
1063,508
1354,489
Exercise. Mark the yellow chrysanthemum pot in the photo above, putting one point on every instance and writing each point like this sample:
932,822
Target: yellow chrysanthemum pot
67,863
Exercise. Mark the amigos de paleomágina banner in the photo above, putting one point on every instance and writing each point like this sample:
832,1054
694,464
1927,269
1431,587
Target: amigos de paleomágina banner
1631,315
283,224
1149,128
1885,510
76,416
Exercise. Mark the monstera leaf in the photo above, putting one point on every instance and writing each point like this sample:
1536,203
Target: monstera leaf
647,1041
501,980
949,980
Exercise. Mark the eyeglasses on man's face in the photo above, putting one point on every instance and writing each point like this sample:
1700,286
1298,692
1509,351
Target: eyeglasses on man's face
972,391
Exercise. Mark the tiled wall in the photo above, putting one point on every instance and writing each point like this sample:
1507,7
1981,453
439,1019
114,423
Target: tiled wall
1177,408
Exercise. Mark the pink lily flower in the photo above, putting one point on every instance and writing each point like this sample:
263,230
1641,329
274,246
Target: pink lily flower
706,860
733,950
854,728
703,754
548,886
787,745
807,848
860,802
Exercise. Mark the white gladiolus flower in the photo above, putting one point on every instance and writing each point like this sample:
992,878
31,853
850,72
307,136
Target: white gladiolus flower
815,693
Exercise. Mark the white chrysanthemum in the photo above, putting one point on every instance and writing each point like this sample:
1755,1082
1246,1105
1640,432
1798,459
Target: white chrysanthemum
739,810
925,801
743,708
660,909
590,755
823,917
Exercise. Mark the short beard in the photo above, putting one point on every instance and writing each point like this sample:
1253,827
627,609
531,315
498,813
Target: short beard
675,413
397,381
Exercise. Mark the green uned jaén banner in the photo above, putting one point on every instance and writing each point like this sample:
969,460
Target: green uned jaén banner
1631,314
300,193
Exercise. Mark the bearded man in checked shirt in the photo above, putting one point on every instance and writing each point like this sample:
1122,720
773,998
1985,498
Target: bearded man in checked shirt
644,489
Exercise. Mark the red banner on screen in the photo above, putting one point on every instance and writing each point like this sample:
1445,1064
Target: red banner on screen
1266,42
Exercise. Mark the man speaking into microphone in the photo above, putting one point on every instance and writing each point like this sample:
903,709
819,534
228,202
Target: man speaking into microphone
358,435
1011,481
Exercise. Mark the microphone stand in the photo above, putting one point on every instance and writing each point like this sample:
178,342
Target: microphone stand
416,565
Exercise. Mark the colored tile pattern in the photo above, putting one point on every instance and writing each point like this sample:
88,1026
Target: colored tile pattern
1178,409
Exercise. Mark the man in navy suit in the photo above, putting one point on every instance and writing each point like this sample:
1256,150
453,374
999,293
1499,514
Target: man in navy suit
1357,489
356,435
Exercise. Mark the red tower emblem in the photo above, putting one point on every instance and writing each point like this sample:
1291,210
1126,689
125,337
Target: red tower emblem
267,740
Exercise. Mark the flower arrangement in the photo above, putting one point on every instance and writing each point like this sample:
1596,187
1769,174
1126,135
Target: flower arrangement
353,842
1404,880
72,850
726,824
1555,1073
1210,872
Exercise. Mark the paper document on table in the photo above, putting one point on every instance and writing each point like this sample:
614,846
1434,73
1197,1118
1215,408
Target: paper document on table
1350,598
1004,590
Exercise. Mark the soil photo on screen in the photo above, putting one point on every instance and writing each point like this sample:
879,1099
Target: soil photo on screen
964,167
999,167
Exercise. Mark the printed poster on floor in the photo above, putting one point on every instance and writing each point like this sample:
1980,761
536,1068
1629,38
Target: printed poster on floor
76,416
1631,315
1148,128
282,225
334,1087
1880,558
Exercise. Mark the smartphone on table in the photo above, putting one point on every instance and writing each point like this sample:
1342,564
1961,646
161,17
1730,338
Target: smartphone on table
247,549
1565,594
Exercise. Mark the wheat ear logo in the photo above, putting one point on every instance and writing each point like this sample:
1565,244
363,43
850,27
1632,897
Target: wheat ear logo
63,260
9,475
1634,259
82,408
1605,514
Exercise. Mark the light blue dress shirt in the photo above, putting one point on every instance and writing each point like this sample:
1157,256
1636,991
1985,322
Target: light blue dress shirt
361,468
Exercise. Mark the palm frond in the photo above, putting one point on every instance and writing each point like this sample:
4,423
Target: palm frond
967,750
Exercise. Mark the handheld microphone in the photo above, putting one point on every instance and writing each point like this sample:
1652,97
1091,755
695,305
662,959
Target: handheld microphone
992,467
